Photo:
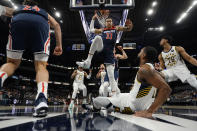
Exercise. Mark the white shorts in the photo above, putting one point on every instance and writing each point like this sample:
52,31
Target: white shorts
175,73
78,86
18,55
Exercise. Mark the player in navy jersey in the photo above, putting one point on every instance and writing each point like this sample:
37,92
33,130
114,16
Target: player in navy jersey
106,43
29,29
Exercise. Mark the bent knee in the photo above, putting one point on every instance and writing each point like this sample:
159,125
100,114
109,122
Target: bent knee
15,62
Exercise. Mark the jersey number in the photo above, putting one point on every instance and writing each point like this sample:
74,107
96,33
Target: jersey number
109,36
172,61
80,77
31,8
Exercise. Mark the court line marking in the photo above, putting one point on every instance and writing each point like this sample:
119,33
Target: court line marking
187,114
23,120
150,124
180,107
177,120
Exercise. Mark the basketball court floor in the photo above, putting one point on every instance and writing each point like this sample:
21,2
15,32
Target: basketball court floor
169,118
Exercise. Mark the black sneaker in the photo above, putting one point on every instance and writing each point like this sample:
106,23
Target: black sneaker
41,107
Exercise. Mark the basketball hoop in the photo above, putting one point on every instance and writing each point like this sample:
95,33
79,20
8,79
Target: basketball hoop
101,2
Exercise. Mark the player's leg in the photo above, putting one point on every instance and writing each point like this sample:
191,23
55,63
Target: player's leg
105,88
75,90
192,81
9,68
169,75
15,47
113,83
99,103
97,45
183,73
42,77
101,90
39,43
84,94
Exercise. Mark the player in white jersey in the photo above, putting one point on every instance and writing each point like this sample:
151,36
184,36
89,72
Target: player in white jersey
173,65
101,75
78,84
140,97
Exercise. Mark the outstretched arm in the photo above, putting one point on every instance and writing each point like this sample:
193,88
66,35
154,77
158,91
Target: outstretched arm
6,11
128,26
153,78
186,56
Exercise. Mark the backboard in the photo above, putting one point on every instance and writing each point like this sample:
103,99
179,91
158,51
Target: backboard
101,4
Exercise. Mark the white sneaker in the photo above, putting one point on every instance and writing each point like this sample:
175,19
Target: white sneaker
85,64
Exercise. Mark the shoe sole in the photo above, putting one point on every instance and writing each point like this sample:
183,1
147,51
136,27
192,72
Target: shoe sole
41,112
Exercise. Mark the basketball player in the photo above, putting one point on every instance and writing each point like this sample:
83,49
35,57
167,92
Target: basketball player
140,97
78,84
173,65
29,29
106,43
105,89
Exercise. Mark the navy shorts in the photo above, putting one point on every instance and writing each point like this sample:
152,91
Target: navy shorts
108,55
29,31
116,76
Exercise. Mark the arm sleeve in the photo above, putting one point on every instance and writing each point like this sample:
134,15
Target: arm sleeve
92,30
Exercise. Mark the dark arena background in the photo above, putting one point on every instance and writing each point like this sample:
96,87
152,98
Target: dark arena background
151,19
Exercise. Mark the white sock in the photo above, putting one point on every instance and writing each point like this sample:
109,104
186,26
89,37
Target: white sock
89,57
3,76
42,87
